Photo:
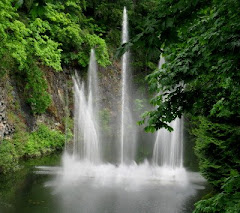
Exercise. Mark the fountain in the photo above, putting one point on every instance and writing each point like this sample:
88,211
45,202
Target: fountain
85,182
168,147
128,131
86,134
167,150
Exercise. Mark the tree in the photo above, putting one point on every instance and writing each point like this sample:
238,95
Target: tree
200,41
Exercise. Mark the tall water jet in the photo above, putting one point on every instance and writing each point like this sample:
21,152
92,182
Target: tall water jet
94,94
168,147
86,134
93,87
128,132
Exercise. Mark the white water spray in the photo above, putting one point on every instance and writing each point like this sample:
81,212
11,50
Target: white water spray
85,182
168,147
86,134
128,132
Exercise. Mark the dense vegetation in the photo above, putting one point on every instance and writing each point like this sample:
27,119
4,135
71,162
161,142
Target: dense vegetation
50,33
41,35
35,144
27,141
199,39
35,35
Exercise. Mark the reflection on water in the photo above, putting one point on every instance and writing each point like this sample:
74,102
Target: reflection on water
151,198
84,187
81,187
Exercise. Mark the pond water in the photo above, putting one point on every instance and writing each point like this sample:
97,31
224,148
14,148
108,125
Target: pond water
49,189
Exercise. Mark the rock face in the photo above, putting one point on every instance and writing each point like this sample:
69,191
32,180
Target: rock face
110,84
16,112
60,89
2,116
13,103
6,129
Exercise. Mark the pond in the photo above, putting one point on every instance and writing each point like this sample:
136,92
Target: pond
51,190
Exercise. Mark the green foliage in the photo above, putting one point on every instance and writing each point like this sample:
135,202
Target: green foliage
28,145
70,28
27,43
42,141
227,201
44,47
217,147
108,16
7,13
36,89
49,33
9,158
201,71
200,43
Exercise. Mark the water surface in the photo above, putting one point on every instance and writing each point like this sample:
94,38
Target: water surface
102,190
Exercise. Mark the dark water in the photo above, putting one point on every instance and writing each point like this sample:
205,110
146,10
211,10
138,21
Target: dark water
29,192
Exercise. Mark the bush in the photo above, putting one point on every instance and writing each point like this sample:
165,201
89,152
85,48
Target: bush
36,90
29,145
43,141
9,157
218,149
226,201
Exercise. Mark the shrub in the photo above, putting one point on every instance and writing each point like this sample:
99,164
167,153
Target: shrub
42,141
9,157
29,145
226,201
217,147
